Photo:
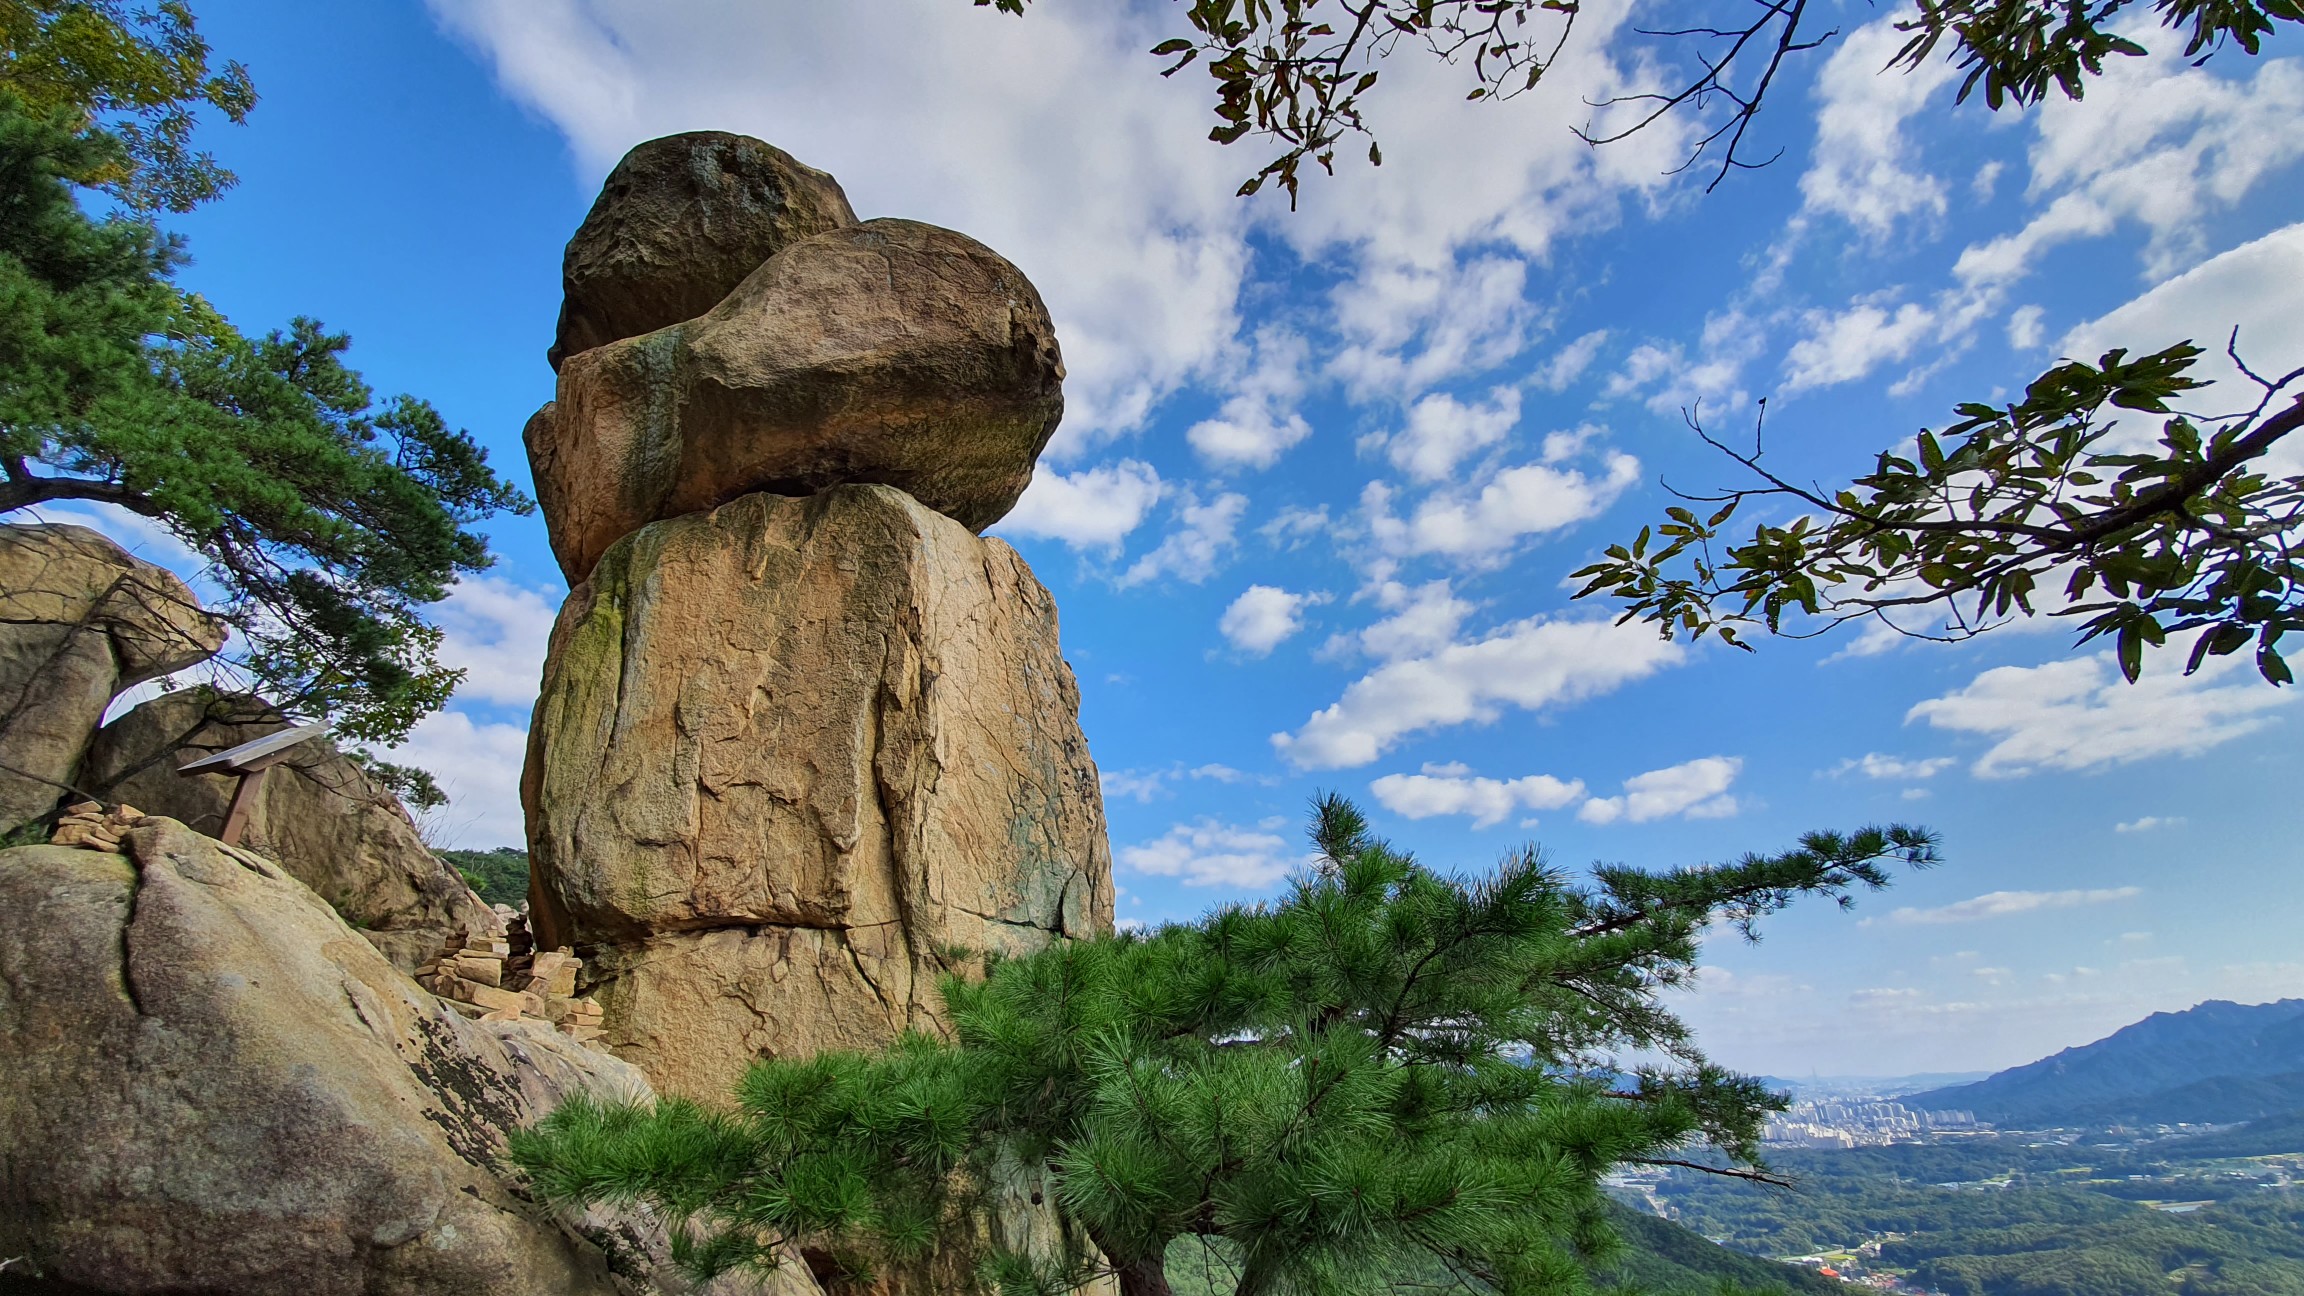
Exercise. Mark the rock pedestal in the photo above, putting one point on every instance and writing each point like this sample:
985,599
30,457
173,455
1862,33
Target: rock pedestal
787,752
803,733
80,622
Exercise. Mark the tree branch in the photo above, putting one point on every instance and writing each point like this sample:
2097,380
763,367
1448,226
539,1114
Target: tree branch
22,490
1725,1172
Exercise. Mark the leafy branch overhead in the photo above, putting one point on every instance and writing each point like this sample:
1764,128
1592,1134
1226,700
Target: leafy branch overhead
139,76
1295,73
2049,505
1389,1070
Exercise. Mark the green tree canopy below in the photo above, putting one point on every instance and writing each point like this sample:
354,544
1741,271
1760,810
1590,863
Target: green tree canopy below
1387,1071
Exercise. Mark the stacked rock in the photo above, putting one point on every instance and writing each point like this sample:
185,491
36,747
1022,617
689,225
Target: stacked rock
802,730
88,824
486,973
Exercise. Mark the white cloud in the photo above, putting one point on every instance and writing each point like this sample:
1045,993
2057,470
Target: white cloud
1424,619
1210,853
1569,362
1696,789
2080,714
1864,168
2001,904
1841,346
1527,664
1094,508
478,766
2147,823
1294,526
1484,524
1194,550
2251,287
1258,421
1453,790
1878,765
1263,617
1143,786
1443,432
1134,785
1407,327
1672,381
144,537
2024,331
2157,143
2163,143
496,633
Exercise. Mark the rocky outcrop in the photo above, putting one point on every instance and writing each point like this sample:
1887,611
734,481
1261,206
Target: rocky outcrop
208,1083
81,620
679,222
790,751
318,815
890,352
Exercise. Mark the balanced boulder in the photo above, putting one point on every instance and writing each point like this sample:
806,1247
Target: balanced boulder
680,221
889,352
789,753
208,1083
318,815
81,620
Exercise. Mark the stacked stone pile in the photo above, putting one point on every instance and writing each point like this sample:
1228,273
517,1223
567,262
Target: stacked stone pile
801,727
508,982
88,824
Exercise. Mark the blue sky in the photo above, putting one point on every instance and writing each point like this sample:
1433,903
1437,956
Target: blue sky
1322,473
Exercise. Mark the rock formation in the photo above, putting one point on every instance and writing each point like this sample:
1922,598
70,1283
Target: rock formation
212,1085
785,752
890,352
80,622
802,731
318,816
679,222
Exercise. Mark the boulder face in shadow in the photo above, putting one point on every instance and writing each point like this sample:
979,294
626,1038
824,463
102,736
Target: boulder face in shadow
318,816
208,1083
81,620
787,753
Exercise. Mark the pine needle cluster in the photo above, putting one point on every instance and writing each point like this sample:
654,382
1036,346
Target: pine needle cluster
1388,1070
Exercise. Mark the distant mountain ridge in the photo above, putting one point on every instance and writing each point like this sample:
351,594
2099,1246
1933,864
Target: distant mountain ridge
2215,1062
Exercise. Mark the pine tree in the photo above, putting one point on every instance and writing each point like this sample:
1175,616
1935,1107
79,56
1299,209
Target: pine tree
1387,1071
328,519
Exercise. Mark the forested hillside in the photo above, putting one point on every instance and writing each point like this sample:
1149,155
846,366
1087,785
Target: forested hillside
2216,1062
2216,1215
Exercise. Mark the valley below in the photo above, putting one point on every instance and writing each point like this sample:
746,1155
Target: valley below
2163,1159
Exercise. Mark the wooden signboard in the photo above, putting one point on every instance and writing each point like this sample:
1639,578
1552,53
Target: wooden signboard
249,761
